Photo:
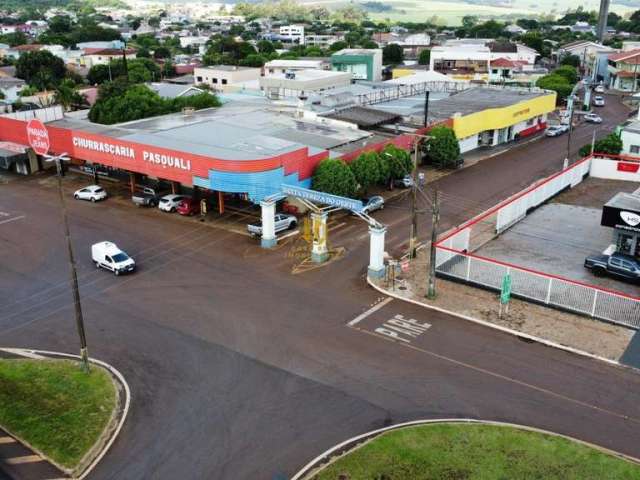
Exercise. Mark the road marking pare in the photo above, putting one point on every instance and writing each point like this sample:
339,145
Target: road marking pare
403,329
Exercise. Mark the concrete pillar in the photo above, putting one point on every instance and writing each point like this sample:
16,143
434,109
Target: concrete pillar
376,250
269,239
319,251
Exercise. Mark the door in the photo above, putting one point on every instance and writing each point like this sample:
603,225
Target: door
626,243
108,262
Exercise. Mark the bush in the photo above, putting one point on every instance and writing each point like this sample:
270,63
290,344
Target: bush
557,83
366,169
611,144
568,72
396,162
335,177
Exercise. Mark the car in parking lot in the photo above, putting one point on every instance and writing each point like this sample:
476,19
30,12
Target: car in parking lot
599,88
282,221
188,206
593,118
618,265
92,193
598,101
372,204
555,130
169,203
404,182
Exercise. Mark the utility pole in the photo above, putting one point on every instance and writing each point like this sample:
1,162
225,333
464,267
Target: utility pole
435,218
413,239
84,355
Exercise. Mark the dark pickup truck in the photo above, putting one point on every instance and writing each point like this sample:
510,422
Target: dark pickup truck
617,265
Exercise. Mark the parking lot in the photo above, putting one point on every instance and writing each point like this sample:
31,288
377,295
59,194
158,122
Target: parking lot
556,238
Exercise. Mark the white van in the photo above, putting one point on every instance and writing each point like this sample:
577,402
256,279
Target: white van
108,255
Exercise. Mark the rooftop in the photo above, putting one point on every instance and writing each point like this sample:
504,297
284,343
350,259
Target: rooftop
227,68
356,51
364,117
625,201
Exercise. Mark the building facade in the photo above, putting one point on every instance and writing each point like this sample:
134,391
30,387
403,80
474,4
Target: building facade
224,77
362,64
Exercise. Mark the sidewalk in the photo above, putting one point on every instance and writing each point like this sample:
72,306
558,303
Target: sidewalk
538,323
20,461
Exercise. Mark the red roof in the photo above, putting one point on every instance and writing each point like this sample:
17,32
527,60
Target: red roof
27,48
631,56
108,52
506,63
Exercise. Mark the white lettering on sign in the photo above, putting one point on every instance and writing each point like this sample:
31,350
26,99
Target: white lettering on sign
104,147
166,160
403,329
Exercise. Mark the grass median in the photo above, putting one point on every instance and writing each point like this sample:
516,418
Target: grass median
476,452
56,407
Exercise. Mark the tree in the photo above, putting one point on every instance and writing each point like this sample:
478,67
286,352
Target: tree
40,67
425,57
369,44
337,46
568,72
140,70
253,60
397,163
442,149
571,60
611,145
168,70
392,54
557,83
266,47
334,176
366,169
60,24
533,40
154,22
161,52
469,21
66,94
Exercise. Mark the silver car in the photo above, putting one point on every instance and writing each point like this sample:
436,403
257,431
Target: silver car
92,193
372,204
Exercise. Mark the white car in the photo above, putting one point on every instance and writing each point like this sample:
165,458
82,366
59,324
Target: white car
555,130
593,118
282,222
169,203
92,193
598,101
599,89
107,255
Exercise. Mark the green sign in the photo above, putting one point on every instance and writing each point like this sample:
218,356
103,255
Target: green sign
505,292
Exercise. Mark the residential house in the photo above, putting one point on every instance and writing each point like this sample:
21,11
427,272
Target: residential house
104,56
321,41
466,62
15,52
10,87
292,34
514,29
226,77
413,45
624,68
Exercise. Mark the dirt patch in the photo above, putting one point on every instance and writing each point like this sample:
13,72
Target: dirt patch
575,331
594,192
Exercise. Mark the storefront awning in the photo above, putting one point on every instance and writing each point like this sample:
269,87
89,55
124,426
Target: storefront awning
623,212
10,152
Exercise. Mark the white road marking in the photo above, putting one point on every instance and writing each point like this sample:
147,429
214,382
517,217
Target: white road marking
403,329
287,235
12,219
373,309
22,353
21,460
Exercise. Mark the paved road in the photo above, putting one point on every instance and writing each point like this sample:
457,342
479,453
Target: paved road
239,369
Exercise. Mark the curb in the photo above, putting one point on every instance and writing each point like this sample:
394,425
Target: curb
325,459
29,353
510,331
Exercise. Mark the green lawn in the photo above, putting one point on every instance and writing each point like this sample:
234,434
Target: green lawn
476,452
55,406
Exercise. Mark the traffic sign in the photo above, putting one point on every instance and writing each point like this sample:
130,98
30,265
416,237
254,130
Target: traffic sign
505,292
38,136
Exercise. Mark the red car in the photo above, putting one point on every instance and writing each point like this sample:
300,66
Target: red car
189,206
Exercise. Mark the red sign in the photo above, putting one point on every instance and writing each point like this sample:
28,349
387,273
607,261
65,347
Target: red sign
628,167
38,136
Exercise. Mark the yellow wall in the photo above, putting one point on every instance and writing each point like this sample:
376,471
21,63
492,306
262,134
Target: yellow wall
495,118
402,72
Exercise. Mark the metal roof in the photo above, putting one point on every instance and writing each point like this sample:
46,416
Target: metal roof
365,117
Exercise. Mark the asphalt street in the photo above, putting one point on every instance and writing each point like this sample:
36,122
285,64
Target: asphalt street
240,370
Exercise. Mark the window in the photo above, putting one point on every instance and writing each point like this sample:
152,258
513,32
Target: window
224,81
615,262
627,266
199,79
494,71
214,80
635,149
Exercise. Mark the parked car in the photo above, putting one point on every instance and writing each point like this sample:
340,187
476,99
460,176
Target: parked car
146,197
555,130
372,204
404,182
282,222
599,88
188,206
616,265
598,101
593,118
92,193
107,255
169,203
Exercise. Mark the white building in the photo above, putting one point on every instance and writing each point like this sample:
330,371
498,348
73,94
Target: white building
225,77
302,83
193,41
630,135
322,41
104,56
281,66
515,29
10,87
292,33
460,59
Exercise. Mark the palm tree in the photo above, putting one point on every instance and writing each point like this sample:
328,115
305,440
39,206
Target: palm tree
66,94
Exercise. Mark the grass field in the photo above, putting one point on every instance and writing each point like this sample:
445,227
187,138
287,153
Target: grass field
54,406
476,452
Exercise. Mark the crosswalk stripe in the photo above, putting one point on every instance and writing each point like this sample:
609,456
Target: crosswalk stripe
5,440
21,460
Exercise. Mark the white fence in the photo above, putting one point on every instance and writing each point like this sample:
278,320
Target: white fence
48,114
455,260
616,168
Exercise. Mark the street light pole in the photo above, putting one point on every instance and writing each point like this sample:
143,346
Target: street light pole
84,355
